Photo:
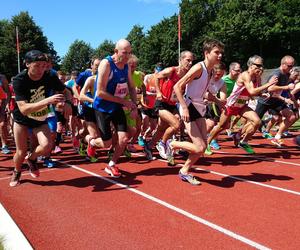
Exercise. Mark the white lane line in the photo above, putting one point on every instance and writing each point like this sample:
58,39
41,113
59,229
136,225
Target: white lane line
258,158
201,169
178,210
241,179
252,182
13,238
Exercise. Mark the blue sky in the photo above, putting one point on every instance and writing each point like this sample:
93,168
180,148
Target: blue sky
92,21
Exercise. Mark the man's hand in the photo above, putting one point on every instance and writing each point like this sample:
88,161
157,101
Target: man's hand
54,99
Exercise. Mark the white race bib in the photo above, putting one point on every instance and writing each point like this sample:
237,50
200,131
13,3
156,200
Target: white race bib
121,90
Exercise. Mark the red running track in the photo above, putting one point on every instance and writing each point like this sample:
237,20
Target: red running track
244,202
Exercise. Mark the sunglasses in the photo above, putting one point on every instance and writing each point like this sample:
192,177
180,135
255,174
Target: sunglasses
258,65
289,66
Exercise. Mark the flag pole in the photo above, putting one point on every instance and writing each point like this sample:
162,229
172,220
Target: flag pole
179,33
18,49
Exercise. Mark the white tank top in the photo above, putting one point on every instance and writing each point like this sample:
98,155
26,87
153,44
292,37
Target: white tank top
195,91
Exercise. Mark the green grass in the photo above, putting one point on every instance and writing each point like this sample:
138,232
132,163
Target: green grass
296,126
1,243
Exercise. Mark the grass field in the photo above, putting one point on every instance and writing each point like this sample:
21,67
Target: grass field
1,245
296,126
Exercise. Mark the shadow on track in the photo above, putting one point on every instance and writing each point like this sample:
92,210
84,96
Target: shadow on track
229,181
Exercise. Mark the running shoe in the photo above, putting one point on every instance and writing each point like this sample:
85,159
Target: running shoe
5,150
57,150
161,148
113,171
236,136
141,141
189,178
76,143
287,134
267,135
215,145
229,133
277,142
92,159
49,163
127,153
208,150
15,178
33,168
82,149
91,151
170,153
246,147
148,152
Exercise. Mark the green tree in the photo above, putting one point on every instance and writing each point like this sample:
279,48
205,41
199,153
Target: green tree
196,17
104,49
78,56
136,37
268,28
30,37
160,45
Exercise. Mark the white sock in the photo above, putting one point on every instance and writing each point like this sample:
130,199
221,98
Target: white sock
277,136
111,164
92,142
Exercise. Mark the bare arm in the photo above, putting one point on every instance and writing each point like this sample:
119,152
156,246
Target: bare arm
75,91
275,88
27,108
296,89
245,78
161,75
86,87
131,87
179,87
103,76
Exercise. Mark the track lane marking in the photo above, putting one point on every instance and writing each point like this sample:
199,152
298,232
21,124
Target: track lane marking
257,158
197,168
178,210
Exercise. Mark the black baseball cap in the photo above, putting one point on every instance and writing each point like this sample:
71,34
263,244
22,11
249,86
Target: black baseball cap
35,56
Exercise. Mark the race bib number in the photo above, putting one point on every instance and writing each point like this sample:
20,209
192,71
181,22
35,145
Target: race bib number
121,90
40,115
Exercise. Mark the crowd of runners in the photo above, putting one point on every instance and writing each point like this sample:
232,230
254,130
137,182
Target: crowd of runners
175,110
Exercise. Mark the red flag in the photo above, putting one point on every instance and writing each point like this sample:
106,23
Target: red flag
179,27
17,37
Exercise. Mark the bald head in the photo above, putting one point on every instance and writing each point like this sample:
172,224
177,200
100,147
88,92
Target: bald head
122,44
122,51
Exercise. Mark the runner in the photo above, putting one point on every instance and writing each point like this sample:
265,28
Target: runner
113,83
165,104
31,87
190,91
230,79
277,103
149,115
217,87
247,85
4,98
86,97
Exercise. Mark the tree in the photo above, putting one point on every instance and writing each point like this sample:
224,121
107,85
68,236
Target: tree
104,49
267,28
30,37
160,45
136,37
78,57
